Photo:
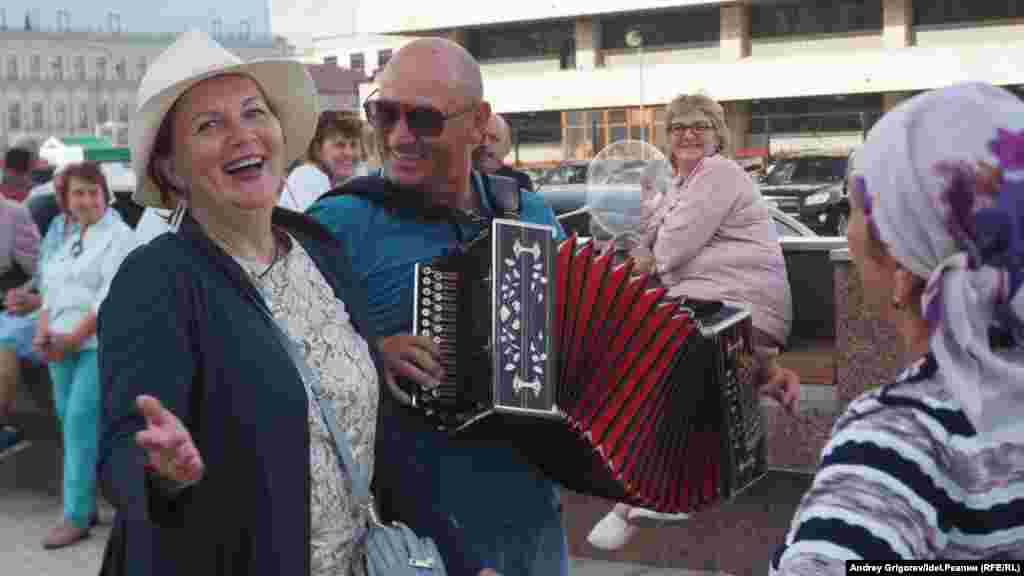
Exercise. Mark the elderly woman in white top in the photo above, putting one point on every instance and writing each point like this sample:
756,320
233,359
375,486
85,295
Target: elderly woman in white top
79,255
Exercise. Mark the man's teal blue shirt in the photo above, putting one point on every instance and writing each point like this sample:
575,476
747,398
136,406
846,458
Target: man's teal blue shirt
484,505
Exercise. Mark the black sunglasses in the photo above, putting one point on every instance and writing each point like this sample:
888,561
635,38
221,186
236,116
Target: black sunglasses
423,121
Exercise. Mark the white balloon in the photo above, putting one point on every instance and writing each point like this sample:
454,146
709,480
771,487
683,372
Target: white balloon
616,178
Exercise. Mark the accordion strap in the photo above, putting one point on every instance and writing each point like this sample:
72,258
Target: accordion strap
505,193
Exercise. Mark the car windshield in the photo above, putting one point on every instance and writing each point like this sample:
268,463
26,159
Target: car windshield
806,170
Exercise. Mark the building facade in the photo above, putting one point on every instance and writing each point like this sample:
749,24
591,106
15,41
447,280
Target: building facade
74,83
793,75
361,53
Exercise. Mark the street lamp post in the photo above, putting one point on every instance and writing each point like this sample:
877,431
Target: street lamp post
635,39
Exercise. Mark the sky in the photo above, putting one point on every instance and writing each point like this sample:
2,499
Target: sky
145,15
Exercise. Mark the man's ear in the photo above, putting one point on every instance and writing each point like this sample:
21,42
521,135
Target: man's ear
906,289
481,120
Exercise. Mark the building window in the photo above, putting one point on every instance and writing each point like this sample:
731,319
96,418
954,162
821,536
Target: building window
567,56
14,116
37,116
60,116
12,67
101,68
57,68
121,69
141,67
535,127
938,12
83,117
586,133
357,62
663,28
521,41
850,113
808,17
103,113
80,68
331,61
35,67
124,112
383,56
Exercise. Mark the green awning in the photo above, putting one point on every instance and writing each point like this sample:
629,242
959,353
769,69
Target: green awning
87,142
108,154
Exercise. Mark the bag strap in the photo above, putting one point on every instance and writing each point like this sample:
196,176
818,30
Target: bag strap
505,193
342,448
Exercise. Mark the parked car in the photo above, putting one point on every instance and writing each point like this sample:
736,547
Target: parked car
569,204
812,189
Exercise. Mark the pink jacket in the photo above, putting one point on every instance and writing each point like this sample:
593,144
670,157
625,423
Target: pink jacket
19,238
713,238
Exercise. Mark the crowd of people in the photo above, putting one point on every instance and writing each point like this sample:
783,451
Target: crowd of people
264,215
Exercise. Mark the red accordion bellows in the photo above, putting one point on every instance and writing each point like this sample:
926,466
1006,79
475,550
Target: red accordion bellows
626,393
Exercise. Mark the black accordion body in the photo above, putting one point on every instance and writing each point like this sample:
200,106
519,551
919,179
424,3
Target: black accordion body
608,386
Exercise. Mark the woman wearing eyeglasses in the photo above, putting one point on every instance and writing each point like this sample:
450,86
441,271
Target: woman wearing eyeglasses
711,237
81,252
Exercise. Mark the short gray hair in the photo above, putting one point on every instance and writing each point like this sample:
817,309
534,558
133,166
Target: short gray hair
686,103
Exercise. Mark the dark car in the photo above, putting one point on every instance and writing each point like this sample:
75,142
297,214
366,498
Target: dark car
812,189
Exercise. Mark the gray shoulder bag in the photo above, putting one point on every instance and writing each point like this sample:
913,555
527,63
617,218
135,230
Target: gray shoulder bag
391,550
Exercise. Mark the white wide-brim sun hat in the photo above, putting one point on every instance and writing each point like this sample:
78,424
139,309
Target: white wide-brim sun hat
195,57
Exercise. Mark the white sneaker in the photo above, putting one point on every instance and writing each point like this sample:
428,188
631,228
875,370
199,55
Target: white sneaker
611,533
646,514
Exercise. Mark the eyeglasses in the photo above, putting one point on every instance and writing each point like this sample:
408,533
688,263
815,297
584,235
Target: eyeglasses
423,121
698,128
76,248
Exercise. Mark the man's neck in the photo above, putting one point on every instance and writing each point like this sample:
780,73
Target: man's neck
461,194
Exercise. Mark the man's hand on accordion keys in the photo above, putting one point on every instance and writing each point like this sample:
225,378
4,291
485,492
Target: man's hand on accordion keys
415,358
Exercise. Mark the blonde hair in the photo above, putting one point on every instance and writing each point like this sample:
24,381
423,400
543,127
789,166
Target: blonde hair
369,137
687,103
504,134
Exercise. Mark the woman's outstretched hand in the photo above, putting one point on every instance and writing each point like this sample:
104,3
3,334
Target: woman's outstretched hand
170,451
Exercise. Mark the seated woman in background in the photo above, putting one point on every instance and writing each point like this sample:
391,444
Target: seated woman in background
931,466
331,159
710,236
78,259
19,255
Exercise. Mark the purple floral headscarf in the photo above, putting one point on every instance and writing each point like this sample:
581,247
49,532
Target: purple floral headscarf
941,182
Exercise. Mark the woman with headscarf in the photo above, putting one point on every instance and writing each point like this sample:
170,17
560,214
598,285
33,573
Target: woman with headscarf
216,453
931,466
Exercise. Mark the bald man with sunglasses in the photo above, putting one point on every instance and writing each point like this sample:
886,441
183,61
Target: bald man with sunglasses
484,505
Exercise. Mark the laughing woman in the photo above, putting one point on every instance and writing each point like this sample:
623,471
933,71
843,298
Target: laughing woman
215,452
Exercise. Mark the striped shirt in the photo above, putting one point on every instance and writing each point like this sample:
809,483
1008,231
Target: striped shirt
905,476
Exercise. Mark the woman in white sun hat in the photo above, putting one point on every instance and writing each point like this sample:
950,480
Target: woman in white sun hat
214,452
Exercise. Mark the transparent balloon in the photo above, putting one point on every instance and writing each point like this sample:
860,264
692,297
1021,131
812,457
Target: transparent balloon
618,179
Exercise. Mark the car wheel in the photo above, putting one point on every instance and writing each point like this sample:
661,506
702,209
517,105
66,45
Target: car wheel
842,223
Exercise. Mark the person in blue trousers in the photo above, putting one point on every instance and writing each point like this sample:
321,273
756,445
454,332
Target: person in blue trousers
80,254
485,506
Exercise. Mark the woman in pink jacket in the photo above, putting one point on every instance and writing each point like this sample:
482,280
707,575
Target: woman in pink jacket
710,236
